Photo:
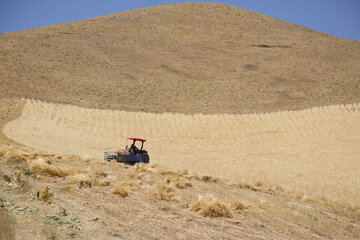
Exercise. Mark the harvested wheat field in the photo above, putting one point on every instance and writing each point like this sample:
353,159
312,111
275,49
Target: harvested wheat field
313,152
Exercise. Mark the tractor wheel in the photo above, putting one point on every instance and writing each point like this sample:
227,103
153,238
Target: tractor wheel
147,159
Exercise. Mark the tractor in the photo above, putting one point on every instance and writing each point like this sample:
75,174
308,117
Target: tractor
130,155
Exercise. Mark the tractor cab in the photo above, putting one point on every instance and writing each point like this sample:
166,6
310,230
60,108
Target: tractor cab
137,149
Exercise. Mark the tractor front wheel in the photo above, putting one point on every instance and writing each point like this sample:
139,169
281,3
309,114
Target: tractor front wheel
147,159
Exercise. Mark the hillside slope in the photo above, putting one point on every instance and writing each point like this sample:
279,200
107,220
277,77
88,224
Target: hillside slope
91,199
185,57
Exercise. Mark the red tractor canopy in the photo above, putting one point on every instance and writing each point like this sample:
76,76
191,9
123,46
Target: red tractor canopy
138,139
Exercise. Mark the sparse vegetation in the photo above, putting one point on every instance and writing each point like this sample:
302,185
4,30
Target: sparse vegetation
65,189
237,205
209,179
121,191
163,192
88,179
210,207
46,194
43,166
245,185
131,183
7,178
17,160
179,182
28,171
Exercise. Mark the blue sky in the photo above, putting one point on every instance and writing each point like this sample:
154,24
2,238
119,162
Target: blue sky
336,17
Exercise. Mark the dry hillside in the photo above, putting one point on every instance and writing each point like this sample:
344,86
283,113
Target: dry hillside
194,79
185,57
51,196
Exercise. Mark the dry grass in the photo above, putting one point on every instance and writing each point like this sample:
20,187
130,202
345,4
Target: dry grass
15,159
245,185
209,179
210,207
179,182
237,205
82,180
96,172
141,167
121,191
131,183
133,175
163,171
163,192
92,176
87,181
45,167
259,204
31,156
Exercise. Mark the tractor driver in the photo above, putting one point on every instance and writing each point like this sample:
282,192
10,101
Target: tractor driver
126,151
134,149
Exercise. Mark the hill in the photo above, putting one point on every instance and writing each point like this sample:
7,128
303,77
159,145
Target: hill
279,175
187,57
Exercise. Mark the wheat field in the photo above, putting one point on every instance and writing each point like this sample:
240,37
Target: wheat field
313,153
